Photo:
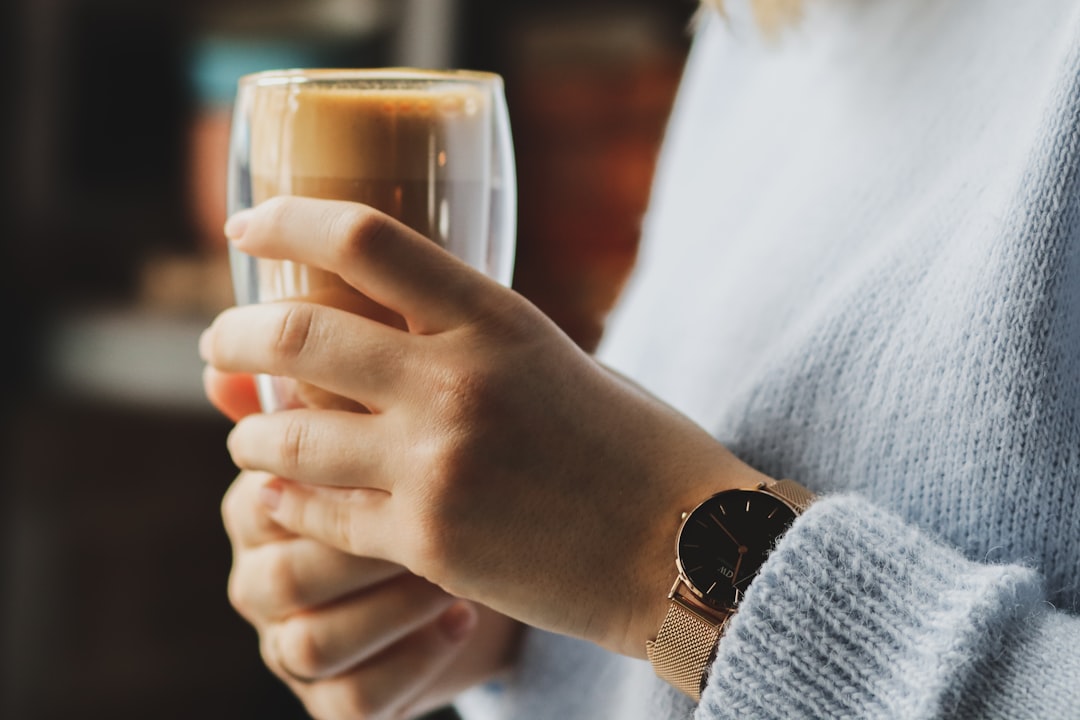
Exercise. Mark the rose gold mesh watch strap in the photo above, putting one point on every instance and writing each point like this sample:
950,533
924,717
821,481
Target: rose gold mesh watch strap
684,646
791,491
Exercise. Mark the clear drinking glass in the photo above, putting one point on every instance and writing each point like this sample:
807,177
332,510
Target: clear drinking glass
432,149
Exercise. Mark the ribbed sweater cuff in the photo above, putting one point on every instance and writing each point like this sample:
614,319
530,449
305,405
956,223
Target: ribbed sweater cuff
856,614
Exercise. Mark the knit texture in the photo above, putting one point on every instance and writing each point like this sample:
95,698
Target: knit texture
861,270
859,616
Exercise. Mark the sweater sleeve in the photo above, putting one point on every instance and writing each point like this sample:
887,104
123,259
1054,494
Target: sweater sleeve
858,615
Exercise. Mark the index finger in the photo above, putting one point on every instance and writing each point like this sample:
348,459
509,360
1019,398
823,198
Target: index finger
379,256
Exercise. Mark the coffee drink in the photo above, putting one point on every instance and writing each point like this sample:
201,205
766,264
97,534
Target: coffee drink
422,152
422,156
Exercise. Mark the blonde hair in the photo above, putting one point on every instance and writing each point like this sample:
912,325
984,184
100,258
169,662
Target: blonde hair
771,15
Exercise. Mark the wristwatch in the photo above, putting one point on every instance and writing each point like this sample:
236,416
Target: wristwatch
721,545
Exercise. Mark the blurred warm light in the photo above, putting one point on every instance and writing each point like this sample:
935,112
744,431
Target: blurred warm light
115,563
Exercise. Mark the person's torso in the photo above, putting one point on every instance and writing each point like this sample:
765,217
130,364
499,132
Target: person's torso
861,265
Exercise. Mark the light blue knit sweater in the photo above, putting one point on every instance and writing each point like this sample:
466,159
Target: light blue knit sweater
861,270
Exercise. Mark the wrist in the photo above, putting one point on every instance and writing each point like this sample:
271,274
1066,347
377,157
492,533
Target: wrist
722,543
664,466
659,566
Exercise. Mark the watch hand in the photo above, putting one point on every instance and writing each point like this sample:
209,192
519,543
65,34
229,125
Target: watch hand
748,577
726,531
738,564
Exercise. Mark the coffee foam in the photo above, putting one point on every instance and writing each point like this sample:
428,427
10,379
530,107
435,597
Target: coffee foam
337,131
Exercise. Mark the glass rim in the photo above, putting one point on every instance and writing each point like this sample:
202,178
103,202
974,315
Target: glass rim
297,76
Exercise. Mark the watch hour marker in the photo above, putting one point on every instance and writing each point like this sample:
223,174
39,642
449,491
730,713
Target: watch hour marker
747,506
710,588
773,512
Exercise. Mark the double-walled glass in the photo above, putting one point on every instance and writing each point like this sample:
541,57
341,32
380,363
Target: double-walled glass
431,149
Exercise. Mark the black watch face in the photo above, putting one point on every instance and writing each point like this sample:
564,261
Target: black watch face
725,540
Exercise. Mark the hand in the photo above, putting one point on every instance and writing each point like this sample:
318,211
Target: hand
499,462
352,637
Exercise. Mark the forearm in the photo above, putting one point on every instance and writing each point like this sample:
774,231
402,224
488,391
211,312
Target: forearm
855,614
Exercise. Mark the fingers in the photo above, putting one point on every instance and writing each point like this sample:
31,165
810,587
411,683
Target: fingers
394,265
247,520
389,684
325,643
233,394
332,349
272,582
334,448
356,521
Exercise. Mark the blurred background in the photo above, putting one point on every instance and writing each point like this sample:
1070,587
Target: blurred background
113,561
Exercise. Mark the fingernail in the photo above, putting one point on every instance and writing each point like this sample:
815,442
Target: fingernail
270,495
236,226
457,622
204,345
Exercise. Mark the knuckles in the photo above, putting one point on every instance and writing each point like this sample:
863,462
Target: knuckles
231,506
301,648
295,330
278,586
295,445
358,232
265,590
239,594
274,212
344,532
